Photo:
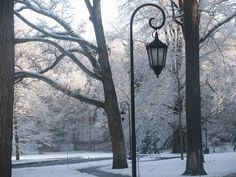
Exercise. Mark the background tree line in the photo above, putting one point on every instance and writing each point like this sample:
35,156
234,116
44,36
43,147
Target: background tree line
61,43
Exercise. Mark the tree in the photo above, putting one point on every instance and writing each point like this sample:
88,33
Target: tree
193,109
96,55
15,130
7,85
214,17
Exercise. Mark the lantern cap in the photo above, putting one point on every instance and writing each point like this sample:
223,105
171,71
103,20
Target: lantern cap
122,112
156,43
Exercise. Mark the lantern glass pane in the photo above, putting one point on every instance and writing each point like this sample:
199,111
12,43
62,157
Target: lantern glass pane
160,56
149,56
154,56
164,56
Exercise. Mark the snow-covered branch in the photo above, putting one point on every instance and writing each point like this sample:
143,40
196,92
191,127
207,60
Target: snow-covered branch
66,26
55,35
61,49
213,29
58,59
68,35
25,74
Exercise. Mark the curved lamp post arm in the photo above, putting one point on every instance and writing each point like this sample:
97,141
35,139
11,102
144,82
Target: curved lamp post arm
124,105
134,171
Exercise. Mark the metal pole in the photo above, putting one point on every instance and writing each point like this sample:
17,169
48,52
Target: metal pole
133,131
133,135
206,134
125,106
130,149
206,151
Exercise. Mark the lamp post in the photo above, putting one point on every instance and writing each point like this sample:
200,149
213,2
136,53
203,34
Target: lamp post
157,57
206,150
125,106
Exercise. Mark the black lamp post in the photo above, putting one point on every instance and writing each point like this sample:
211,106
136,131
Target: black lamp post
206,150
125,106
157,57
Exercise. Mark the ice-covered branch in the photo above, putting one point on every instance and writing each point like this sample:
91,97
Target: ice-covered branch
51,66
61,49
54,35
68,35
65,25
58,59
213,29
25,74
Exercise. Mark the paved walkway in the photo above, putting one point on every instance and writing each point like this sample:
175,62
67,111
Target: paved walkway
94,171
58,162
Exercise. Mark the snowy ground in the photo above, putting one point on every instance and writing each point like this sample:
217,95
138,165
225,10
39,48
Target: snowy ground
60,155
216,165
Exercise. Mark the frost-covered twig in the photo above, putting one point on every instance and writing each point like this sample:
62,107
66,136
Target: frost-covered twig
61,49
25,74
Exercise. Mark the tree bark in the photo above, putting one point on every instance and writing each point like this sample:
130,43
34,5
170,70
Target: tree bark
194,164
111,103
6,85
16,137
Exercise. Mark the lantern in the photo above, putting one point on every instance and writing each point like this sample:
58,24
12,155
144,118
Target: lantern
157,55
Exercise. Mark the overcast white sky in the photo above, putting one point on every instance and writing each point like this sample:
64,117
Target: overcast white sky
109,14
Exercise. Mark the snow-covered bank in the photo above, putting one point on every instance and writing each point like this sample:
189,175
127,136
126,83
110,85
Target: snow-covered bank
60,155
216,165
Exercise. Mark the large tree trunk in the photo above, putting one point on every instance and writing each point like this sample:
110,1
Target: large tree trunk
111,104
6,85
16,138
115,127
193,112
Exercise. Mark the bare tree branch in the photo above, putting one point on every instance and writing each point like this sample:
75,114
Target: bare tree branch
52,35
24,74
58,59
50,14
89,7
50,67
211,31
209,85
69,35
180,15
65,25
61,49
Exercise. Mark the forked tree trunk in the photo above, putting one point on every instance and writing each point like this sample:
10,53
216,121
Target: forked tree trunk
111,104
115,128
193,111
6,85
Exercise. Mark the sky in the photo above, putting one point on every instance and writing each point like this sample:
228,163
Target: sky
109,14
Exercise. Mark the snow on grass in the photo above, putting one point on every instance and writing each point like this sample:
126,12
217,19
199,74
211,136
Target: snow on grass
59,156
216,165
51,171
